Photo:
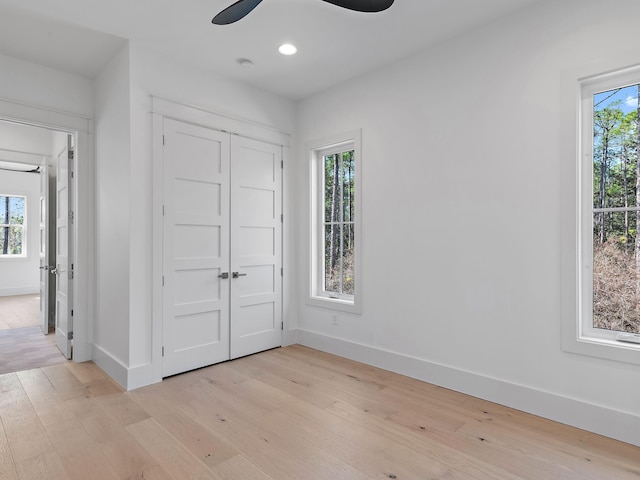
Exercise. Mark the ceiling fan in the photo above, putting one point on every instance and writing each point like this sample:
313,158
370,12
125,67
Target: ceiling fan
241,8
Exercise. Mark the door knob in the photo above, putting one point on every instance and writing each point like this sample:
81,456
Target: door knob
238,274
224,275
53,270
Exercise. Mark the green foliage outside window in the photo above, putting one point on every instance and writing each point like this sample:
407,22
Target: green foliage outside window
12,215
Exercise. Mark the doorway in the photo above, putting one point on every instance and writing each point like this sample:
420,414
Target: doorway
36,244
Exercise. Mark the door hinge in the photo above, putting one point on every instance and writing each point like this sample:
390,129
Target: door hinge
70,336
71,275
72,312
163,351
163,210
163,140
163,280
281,325
70,155
282,272
281,218
282,164
71,216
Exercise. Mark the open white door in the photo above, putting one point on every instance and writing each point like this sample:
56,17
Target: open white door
256,246
44,246
64,267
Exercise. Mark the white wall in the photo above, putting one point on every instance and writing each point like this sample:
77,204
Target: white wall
113,214
18,139
461,213
33,84
19,276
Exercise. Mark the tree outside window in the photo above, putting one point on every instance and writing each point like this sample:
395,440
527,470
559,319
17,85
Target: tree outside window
339,226
12,223
616,210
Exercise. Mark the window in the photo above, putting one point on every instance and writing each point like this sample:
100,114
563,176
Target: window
335,223
609,218
12,226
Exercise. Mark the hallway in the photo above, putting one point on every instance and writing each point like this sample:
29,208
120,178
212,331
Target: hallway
22,344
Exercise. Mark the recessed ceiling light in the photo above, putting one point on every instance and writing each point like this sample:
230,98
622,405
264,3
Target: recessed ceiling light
245,62
287,49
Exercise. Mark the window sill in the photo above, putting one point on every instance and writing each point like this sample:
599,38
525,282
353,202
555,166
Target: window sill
607,348
16,258
343,305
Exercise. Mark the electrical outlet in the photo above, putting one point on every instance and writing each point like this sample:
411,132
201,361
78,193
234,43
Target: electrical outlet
334,321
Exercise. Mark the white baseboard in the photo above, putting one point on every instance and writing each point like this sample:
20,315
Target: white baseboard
111,365
11,291
611,423
141,376
128,378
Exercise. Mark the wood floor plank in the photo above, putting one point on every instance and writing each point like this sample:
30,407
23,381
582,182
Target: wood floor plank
296,385
80,455
173,457
249,442
11,392
86,372
44,398
127,457
69,386
7,466
46,466
121,408
305,421
18,311
22,427
347,387
238,467
210,447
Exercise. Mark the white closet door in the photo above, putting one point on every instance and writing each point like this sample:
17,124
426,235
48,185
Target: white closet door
195,247
256,246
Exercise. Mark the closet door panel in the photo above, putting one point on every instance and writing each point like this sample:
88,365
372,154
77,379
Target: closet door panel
256,246
195,247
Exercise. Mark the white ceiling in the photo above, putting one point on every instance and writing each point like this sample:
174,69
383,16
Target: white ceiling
334,44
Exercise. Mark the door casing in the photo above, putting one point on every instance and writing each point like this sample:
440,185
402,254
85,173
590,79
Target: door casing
79,127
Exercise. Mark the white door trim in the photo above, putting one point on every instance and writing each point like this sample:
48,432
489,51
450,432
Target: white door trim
217,121
162,108
83,202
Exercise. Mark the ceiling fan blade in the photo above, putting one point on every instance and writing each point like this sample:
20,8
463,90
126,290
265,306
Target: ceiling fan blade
363,5
235,12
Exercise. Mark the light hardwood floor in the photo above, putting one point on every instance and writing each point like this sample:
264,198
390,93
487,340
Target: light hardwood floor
22,344
291,413
19,311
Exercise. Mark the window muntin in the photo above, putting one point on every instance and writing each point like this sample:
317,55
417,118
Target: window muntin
12,226
610,209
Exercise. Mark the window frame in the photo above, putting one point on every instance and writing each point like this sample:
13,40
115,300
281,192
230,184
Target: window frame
25,241
317,149
579,335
